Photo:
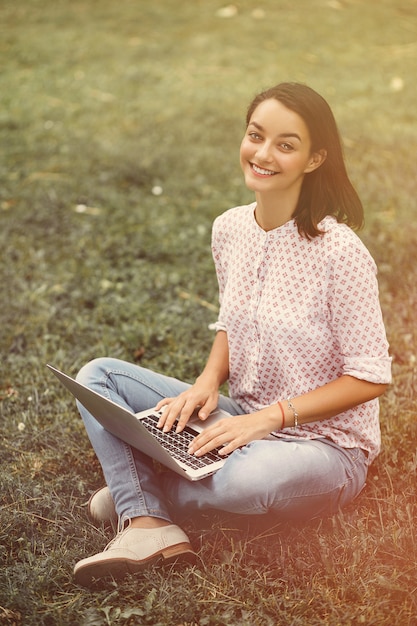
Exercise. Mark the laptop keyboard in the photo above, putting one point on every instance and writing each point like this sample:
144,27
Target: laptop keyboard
177,444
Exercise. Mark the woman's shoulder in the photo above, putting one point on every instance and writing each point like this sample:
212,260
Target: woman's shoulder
338,232
236,216
341,241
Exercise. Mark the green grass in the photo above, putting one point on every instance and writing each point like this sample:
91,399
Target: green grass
99,103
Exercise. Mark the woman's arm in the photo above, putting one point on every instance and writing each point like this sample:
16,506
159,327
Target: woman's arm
217,366
322,403
333,398
205,391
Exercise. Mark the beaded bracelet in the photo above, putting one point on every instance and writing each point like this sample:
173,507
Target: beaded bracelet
282,415
293,409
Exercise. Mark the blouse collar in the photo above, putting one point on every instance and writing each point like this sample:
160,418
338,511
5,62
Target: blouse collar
280,231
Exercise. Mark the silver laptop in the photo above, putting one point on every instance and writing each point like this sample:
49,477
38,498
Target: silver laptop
140,431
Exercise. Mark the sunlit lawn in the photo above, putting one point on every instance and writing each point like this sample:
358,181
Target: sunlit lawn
120,125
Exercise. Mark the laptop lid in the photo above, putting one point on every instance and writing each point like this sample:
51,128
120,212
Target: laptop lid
127,426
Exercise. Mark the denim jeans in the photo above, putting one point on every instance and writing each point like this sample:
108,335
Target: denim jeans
294,478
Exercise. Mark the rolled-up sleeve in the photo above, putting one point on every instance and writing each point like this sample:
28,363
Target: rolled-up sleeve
220,258
356,316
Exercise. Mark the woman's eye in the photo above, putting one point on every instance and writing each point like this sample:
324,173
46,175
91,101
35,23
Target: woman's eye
286,146
255,136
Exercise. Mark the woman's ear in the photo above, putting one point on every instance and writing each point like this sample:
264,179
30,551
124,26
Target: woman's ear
317,158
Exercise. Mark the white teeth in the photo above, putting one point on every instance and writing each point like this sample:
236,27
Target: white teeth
259,170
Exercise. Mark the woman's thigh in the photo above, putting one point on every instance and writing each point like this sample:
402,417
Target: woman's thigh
135,387
297,479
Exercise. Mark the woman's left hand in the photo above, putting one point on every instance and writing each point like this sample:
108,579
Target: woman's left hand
236,431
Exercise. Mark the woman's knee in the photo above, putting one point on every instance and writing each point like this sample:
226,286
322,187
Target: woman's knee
94,369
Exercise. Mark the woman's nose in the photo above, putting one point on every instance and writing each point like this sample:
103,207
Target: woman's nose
264,152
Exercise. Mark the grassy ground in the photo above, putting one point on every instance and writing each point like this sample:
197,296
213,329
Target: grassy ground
120,125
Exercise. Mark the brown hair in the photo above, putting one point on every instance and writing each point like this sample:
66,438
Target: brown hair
327,190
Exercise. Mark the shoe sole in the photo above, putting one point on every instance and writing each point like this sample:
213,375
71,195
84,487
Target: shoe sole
86,575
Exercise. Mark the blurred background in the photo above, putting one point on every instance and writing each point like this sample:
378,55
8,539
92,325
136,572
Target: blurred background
120,126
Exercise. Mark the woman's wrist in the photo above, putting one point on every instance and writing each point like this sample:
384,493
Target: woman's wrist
288,416
209,380
282,413
275,417
293,411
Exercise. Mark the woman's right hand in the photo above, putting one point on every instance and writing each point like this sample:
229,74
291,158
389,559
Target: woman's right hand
201,396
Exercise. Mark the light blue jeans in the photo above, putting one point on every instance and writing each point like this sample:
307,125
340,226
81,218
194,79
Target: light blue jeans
293,478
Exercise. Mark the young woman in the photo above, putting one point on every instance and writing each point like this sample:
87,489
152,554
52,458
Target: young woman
300,340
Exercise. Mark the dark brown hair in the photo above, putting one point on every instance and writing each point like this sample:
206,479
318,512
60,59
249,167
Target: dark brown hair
327,190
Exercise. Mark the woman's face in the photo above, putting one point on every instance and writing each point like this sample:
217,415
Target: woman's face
275,153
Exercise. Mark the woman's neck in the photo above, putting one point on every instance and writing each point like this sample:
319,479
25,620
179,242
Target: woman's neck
272,211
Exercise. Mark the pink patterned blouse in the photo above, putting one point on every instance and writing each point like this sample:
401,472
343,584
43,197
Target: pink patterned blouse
299,313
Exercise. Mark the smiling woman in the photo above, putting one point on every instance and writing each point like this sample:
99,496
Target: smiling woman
275,155
299,338
306,119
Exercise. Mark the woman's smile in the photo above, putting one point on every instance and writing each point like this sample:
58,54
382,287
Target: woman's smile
260,171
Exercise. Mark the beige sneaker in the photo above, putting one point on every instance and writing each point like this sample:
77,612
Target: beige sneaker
134,549
100,508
